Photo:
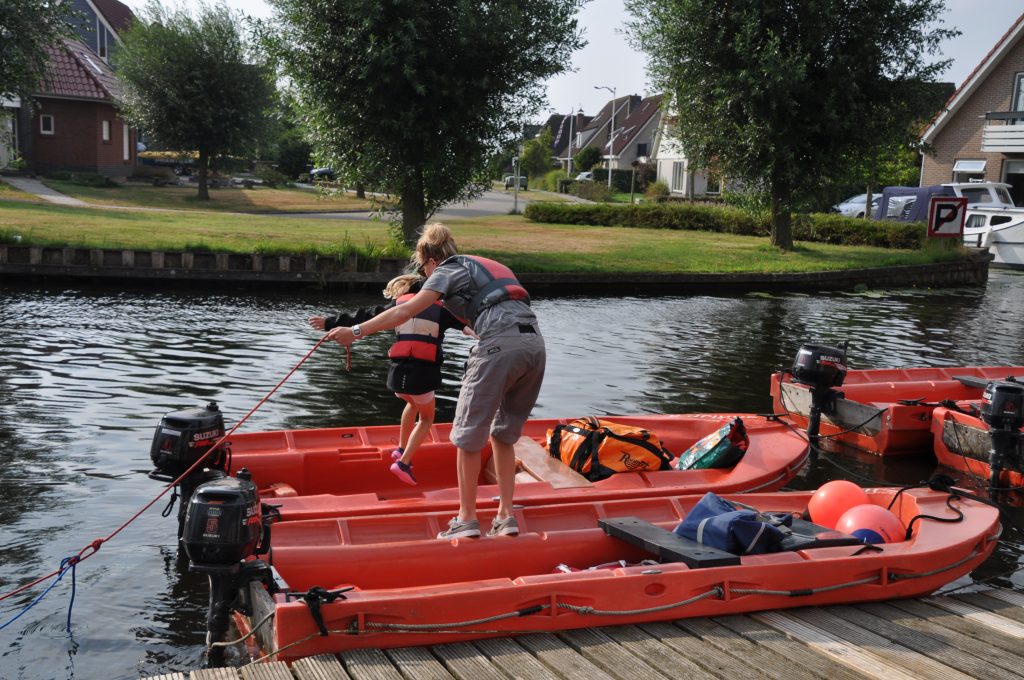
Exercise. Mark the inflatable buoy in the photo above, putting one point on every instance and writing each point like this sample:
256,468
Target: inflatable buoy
872,524
832,499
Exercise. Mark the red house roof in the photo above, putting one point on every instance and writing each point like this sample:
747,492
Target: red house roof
76,72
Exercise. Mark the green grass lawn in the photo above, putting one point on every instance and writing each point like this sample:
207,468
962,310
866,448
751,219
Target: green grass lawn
231,199
525,246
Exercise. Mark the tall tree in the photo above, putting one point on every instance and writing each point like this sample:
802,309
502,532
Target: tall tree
774,92
418,93
193,82
27,28
537,154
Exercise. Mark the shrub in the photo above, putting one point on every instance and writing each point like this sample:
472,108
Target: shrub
269,176
550,180
592,191
656,190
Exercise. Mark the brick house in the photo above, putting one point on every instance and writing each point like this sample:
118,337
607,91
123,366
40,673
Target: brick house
979,134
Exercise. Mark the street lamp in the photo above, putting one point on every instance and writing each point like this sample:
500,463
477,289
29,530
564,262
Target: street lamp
572,119
611,131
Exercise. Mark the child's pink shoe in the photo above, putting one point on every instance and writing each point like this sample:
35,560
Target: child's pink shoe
396,454
403,472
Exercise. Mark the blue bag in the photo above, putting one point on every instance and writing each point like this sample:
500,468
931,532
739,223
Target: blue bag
717,523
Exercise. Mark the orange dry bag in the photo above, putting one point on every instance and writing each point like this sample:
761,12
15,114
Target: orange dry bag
598,450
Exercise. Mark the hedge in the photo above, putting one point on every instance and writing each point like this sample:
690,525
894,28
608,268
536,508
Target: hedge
823,228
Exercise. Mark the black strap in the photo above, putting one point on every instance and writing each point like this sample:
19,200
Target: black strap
318,595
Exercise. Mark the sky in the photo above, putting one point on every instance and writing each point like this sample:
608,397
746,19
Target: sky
609,62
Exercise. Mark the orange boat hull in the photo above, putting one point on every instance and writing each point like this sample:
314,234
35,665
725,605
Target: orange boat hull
411,589
962,443
871,404
345,471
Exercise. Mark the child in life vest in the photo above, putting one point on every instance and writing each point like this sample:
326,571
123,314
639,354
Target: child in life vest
415,370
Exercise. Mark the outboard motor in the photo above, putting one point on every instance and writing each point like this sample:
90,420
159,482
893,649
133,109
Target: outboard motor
225,525
1002,409
181,439
822,369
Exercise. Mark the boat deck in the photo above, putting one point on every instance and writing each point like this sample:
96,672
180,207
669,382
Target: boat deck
974,635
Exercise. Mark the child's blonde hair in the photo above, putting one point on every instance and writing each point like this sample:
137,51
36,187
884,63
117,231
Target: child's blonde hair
400,285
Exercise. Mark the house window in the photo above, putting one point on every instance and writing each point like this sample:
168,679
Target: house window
106,131
967,171
126,139
46,126
641,149
679,176
714,184
1017,103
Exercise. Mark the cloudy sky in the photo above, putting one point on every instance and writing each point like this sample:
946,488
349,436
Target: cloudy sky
608,61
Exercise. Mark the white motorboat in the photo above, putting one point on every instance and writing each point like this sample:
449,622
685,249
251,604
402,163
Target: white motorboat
1001,230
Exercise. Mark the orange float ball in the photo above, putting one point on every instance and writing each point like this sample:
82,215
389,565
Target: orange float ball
872,524
832,499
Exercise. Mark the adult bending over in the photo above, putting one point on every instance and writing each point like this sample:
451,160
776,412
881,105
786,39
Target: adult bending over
503,374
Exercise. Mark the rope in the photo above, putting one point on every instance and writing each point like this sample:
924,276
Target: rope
717,590
460,624
803,591
91,549
66,564
244,637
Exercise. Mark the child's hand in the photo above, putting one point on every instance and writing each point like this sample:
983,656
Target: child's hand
470,333
317,322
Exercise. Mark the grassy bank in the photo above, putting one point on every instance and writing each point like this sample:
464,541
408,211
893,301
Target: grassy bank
230,199
524,246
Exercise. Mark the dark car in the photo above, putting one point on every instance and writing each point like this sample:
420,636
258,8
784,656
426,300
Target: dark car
321,175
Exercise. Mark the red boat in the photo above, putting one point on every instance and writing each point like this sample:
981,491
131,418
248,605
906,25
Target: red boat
963,441
887,411
345,471
390,583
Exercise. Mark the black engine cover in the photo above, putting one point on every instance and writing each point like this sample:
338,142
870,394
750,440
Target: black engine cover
183,437
223,525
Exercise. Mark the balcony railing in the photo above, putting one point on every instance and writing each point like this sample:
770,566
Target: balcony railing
1007,135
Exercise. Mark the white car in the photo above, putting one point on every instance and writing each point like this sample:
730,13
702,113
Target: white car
854,205
585,177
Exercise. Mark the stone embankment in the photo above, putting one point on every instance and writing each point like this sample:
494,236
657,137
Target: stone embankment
203,268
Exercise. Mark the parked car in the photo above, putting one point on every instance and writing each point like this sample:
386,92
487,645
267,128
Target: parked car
321,175
854,205
585,177
510,181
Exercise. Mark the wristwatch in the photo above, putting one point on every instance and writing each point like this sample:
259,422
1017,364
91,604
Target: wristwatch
356,331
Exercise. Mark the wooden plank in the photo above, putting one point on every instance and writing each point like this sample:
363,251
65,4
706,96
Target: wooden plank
214,674
538,463
168,676
509,656
369,664
994,605
833,646
933,644
561,658
918,664
951,635
606,653
273,670
263,606
969,611
465,662
1006,595
656,653
761,659
694,649
947,619
319,667
417,663
819,665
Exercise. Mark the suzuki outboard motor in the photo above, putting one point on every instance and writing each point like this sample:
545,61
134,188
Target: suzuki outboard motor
821,368
1002,409
181,439
224,526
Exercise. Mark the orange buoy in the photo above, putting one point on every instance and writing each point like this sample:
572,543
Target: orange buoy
872,524
832,499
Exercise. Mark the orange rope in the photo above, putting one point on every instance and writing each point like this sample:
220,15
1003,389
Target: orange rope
94,547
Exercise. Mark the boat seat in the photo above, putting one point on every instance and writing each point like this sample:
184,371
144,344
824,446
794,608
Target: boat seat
280,490
534,459
671,547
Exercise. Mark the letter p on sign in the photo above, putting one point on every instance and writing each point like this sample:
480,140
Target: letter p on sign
946,216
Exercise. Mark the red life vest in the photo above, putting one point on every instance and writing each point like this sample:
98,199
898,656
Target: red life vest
420,336
494,283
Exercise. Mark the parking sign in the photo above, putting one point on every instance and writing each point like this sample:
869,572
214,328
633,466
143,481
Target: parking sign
946,216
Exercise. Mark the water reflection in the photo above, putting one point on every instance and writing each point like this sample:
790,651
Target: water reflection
86,375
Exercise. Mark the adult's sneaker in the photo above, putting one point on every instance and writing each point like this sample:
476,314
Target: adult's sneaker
459,529
504,527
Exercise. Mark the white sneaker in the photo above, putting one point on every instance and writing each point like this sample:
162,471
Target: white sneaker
459,529
504,527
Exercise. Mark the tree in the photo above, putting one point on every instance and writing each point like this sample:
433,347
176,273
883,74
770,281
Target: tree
775,92
587,158
193,84
536,159
27,29
417,93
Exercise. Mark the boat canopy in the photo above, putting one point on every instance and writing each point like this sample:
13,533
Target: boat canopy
919,211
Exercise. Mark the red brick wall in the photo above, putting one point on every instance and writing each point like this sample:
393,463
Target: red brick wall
960,137
77,143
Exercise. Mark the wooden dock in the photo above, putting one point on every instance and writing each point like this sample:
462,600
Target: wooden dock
975,635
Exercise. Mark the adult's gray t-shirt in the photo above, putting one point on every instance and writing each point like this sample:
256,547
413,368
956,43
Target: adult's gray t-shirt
457,288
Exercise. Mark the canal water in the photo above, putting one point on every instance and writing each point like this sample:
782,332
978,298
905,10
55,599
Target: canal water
87,373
